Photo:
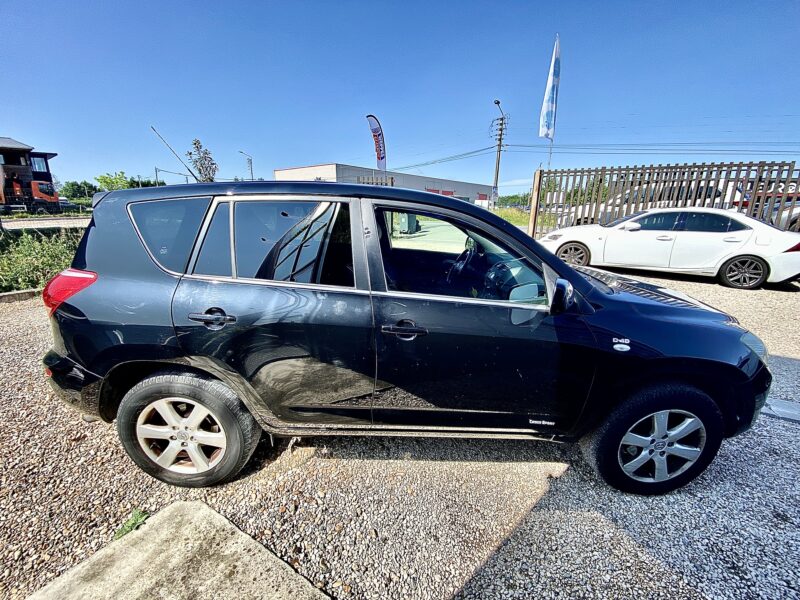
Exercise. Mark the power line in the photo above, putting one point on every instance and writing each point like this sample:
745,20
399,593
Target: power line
470,154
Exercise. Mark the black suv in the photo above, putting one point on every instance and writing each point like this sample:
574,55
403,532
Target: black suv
199,315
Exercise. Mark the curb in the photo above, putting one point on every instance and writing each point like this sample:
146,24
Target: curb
6,297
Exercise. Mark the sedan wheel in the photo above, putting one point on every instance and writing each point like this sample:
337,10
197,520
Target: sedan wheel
574,253
744,272
662,445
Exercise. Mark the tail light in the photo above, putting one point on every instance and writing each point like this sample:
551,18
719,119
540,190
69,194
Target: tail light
65,285
795,248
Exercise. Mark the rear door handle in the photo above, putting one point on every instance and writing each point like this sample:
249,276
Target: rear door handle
665,238
213,318
405,330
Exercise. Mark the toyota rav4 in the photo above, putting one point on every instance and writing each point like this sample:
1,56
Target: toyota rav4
198,316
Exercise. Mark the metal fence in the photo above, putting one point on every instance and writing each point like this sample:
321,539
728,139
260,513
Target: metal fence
769,191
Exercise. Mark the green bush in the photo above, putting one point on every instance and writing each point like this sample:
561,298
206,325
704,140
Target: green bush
30,259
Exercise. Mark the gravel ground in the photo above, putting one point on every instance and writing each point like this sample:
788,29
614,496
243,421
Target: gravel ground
424,518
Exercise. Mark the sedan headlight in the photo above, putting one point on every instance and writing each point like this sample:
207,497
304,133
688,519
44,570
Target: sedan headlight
756,345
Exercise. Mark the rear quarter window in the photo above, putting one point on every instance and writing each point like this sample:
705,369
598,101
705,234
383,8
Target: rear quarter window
169,228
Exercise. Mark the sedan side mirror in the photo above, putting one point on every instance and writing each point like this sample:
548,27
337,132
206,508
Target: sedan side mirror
563,297
632,226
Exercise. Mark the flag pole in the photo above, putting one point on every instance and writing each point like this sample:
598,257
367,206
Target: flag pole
550,154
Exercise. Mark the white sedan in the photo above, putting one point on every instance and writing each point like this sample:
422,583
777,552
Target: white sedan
743,252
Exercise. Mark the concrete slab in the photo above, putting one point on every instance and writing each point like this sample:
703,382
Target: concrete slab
783,409
187,550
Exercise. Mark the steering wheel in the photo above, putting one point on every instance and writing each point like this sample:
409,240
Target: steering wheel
462,261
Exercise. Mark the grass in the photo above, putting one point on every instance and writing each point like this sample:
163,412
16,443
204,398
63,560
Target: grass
515,216
28,259
137,518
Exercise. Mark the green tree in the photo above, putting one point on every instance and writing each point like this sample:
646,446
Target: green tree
134,182
514,200
74,189
202,161
113,181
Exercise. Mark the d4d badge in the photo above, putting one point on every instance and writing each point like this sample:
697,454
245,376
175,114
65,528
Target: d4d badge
621,344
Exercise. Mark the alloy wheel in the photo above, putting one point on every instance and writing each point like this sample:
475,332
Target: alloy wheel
574,254
181,435
662,446
744,272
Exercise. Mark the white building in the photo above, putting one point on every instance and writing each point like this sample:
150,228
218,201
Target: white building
475,193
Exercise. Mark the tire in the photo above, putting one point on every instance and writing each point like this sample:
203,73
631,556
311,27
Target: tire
229,429
574,253
606,453
744,272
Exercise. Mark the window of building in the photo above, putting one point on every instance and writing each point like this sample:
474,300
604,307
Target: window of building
305,242
38,164
2,160
169,228
428,254
215,254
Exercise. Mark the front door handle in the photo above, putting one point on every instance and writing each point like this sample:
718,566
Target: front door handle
213,318
665,238
731,239
406,330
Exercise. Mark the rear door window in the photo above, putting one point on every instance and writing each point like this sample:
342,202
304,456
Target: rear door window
169,228
304,242
711,223
215,254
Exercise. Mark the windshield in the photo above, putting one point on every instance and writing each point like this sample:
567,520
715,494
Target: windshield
616,222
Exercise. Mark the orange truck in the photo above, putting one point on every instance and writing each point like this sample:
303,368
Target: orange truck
26,183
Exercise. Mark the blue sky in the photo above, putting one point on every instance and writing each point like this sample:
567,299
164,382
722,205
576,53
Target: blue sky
291,82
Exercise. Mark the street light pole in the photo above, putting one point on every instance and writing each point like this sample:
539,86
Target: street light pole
249,163
501,128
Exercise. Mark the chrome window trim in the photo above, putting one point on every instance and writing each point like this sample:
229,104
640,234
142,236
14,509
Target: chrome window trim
460,299
282,284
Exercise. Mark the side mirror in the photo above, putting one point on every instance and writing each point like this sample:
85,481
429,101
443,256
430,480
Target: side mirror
563,297
631,226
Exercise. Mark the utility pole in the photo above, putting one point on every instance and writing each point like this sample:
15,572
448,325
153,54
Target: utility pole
156,168
500,125
249,163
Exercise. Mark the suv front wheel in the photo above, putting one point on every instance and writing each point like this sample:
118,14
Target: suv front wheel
186,430
656,441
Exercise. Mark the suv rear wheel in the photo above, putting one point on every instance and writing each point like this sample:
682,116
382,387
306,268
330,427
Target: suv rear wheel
656,441
186,430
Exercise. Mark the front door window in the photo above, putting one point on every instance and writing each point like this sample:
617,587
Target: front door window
429,254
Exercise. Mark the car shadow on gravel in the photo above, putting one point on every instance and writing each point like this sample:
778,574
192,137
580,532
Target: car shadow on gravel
727,534
786,286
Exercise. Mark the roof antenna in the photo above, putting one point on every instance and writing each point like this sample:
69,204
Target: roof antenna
175,153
